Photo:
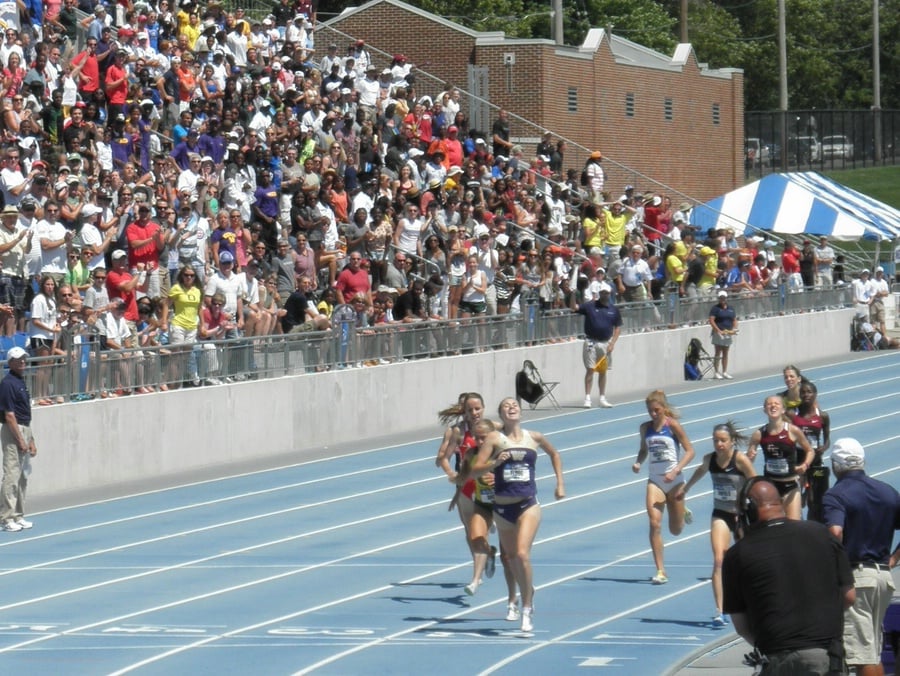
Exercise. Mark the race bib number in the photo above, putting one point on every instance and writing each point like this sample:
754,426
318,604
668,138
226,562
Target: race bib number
515,473
725,493
659,453
778,466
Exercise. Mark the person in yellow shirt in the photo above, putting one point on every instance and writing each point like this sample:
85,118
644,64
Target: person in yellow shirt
711,268
676,255
616,219
593,227
191,29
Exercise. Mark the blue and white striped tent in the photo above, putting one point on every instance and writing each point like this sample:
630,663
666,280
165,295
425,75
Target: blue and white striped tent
804,203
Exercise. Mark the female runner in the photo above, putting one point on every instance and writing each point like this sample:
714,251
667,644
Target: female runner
511,454
483,518
670,451
792,380
459,440
779,440
729,469
816,427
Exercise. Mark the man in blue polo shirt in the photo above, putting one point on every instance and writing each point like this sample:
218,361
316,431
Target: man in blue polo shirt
602,323
863,513
17,441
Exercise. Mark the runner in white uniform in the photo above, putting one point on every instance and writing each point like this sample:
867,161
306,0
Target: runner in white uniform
670,451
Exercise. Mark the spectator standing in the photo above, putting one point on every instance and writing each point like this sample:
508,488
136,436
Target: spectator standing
863,513
790,264
18,442
500,134
723,320
146,240
862,293
602,325
786,585
880,291
229,284
15,242
634,283
808,264
596,177
824,258
353,281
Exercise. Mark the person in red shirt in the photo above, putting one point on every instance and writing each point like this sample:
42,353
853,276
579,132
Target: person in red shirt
353,281
652,232
145,241
454,149
116,85
120,283
86,70
790,265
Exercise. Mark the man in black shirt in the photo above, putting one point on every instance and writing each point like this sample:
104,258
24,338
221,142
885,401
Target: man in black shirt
299,314
17,441
786,585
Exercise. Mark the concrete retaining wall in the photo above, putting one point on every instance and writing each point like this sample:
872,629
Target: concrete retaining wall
99,443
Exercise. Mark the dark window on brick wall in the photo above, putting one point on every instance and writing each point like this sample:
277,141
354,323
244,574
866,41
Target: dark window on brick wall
668,110
716,114
572,100
629,104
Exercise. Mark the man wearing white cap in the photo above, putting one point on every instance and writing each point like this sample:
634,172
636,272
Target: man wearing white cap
863,293
602,324
880,291
17,441
863,514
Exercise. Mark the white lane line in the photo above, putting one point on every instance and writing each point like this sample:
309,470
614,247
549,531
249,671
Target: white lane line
561,580
588,627
457,527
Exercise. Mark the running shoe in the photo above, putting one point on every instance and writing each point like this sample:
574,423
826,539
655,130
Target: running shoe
491,564
718,376
11,526
527,624
23,523
471,588
726,376
718,620
604,403
688,516
512,611
587,402
659,578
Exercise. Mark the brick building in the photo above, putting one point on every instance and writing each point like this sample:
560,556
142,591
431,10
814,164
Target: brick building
663,123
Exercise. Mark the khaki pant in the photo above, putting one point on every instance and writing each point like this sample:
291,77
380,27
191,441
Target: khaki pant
15,481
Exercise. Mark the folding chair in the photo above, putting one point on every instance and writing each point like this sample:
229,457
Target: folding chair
532,387
697,358
860,338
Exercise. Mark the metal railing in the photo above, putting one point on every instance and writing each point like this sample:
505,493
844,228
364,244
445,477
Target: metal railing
84,371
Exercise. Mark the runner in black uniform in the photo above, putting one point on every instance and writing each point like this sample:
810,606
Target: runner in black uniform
816,426
729,469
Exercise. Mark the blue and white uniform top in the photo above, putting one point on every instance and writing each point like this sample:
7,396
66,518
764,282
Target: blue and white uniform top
514,478
663,450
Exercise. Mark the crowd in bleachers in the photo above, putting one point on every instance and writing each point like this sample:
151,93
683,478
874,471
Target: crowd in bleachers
173,172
